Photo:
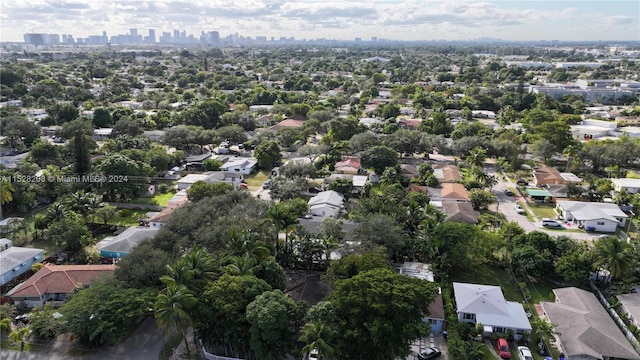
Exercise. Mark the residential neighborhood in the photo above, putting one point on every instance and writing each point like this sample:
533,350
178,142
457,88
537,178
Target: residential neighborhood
470,201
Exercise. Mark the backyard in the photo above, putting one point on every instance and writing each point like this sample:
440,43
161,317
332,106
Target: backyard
256,179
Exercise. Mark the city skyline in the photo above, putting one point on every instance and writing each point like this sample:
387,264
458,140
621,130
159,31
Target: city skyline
312,19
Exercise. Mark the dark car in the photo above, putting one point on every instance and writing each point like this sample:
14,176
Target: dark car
429,353
508,192
522,182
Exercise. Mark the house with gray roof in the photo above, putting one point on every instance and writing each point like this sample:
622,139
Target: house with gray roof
122,244
486,305
601,217
630,305
584,328
326,204
16,261
631,186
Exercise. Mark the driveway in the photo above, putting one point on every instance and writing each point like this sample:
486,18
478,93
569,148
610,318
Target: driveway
434,340
145,343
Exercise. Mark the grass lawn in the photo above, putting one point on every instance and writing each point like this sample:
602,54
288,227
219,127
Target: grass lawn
543,211
487,275
163,199
255,180
131,220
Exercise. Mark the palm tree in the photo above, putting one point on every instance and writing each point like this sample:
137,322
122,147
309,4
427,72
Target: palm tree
469,351
247,242
202,267
570,152
19,335
476,157
282,218
242,265
543,329
6,192
613,255
5,326
180,273
172,310
57,211
318,336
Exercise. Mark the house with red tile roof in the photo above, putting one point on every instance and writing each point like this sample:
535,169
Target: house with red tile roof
348,166
287,123
54,283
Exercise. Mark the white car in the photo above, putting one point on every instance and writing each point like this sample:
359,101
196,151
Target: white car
519,209
524,353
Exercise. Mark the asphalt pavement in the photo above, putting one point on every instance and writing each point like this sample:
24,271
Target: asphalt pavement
144,344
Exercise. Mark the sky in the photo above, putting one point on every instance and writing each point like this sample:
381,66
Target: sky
330,19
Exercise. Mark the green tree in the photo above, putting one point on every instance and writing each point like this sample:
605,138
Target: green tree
319,337
19,335
70,233
44,323
268,154
476,157
5,326
380,312
221,315
105,312
143,267
102,118
275,319
613,255
106,213
6,191
172,310
481,199
543,148
378,158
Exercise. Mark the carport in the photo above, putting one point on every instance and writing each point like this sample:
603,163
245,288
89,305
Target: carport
539,194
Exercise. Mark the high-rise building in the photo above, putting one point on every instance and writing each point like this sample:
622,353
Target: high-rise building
152,36
41,39
374,39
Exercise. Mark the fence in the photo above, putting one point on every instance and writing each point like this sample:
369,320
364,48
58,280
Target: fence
132,206
627,333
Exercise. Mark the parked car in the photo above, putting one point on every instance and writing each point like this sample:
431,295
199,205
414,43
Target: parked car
522,182
429,353
551,223
503,348
508,192
266,184
524,353
313,355
244,186
519,209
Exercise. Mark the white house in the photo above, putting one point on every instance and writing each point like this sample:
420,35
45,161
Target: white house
631,186
326,204
210,177
486,305
16,260
601,217
102,133
243,166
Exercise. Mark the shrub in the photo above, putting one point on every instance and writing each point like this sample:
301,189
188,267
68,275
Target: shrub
124,213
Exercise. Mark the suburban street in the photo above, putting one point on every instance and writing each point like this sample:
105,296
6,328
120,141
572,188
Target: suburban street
145,343
506,205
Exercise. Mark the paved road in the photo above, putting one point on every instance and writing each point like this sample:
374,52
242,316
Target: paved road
145,343
506,205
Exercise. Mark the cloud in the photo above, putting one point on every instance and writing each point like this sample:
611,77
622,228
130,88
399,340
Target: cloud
618,20
400,19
